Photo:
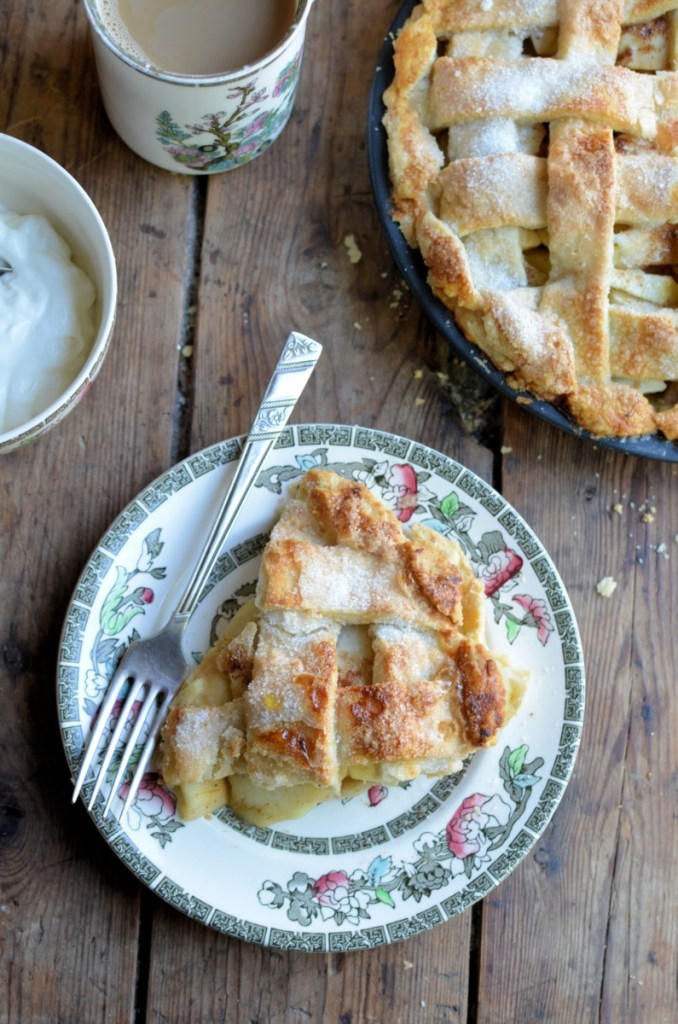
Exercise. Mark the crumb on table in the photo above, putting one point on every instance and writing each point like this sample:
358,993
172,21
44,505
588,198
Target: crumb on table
353,249
607,586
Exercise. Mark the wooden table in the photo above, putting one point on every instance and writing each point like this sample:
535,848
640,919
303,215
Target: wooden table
213,273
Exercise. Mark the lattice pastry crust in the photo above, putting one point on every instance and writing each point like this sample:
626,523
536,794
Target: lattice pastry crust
363,659
533,156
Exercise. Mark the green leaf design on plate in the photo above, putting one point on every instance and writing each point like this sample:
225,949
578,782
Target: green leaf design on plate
449,505
384,897
512,629
516,760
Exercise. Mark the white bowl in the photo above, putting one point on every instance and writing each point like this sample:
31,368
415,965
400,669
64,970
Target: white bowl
31,182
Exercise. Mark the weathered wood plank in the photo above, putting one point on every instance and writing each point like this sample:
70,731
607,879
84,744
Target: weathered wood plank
206,977
69,911
580,903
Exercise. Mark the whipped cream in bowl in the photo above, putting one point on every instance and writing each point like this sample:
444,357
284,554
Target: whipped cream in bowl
46,317
57,299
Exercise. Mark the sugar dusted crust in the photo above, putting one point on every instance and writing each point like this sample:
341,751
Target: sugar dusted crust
363,659
354,563
533,153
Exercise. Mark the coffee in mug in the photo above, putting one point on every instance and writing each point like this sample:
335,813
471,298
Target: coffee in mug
198,37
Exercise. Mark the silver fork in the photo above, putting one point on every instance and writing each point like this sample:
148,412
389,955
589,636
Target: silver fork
152,669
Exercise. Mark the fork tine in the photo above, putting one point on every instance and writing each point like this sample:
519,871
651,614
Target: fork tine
139,722
103,715
123,717
144,759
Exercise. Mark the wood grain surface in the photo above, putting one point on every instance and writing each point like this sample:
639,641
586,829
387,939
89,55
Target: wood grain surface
213,273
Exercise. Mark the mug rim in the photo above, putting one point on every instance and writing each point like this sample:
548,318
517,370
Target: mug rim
197,81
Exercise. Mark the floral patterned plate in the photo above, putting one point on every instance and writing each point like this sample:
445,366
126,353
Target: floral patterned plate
393,861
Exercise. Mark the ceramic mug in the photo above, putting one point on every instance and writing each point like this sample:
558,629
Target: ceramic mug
197,124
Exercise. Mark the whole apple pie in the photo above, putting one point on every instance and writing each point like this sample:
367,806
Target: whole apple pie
532,153
362,659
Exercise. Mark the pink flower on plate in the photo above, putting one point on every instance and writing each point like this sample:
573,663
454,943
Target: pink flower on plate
116,711
466,831
463,832
537,611
375,794
337,899
502,566
152,801
331,890
402,491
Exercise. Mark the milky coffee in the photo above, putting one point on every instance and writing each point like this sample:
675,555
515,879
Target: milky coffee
197,37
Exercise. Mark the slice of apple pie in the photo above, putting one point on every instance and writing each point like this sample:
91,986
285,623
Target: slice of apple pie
362,659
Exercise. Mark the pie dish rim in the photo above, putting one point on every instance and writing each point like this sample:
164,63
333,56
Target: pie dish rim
413,269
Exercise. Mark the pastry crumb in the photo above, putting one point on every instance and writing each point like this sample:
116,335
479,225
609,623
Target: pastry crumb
607,586
407,965
618,508
418,374
505,449
187,351
420,401
353,249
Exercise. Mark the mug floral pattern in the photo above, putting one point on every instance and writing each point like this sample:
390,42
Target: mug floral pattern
219,141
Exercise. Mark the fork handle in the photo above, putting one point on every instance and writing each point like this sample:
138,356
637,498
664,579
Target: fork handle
295,366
